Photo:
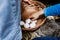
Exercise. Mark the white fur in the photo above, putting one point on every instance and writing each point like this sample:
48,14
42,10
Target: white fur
32,25
27,20
50,17
22,23
26,25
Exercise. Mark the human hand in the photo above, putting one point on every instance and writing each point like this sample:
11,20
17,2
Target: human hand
36,15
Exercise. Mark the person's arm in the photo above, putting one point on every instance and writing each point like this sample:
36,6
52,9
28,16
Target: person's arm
49,11
52,10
